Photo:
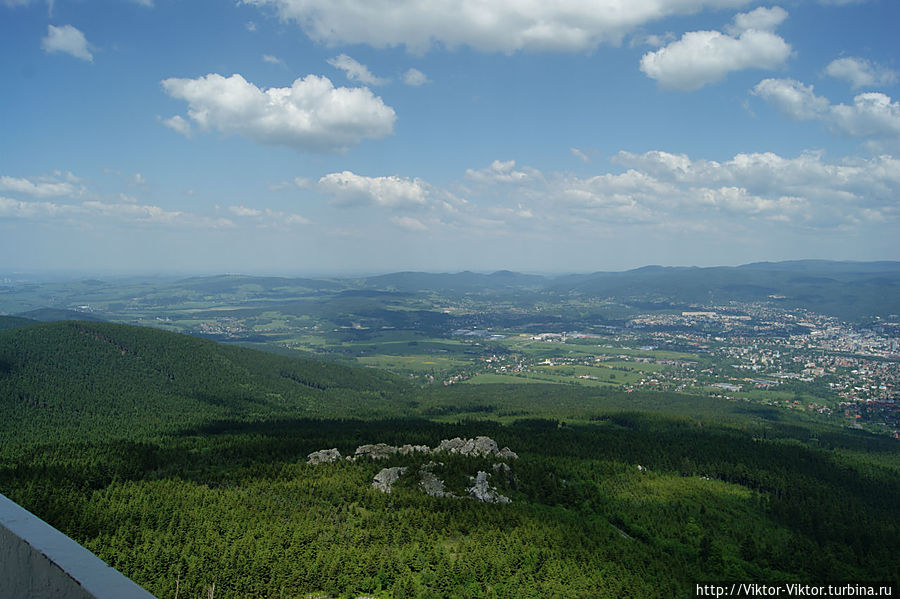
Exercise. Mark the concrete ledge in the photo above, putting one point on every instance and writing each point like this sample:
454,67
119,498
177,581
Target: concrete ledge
39,562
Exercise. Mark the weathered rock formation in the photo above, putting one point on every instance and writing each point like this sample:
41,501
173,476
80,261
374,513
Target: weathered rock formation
480,488
324,456
479,446
507,454
382,451
430,483
378,451
483,491
385,479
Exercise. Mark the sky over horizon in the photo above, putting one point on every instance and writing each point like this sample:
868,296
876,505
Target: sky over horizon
366,136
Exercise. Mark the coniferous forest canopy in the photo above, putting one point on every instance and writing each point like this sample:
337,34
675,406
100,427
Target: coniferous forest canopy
182,461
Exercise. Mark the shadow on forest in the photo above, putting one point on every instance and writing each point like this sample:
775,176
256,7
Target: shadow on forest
794,485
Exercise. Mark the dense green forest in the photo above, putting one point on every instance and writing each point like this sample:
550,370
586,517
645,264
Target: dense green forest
182,463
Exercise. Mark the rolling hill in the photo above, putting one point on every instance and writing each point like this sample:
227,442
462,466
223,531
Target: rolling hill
71,377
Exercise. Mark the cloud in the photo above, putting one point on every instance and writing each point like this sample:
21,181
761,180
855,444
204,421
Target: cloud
91,212
349,189
244,211
408,223
860,73
761,19
415,78
178,124
872,114
660,189
806,187
497,26
703,57
10,208
311,115
67,39
268,217
272,59
356,71
580,155
501,172
41,189
133,212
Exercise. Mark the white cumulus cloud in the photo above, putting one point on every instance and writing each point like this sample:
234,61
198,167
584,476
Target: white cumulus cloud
311,115
501,172
872,114
415,78
67,39
703,57
761,19
806,186
860,73
356,71
497,26
178,124
662,189
349,189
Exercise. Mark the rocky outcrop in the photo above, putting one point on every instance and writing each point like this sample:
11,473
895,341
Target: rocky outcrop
385,479
483,491
382,451
479,446
507,454
411,449
430,483
378,451
324,456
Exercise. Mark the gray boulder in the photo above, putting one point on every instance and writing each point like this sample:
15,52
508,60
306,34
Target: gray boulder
378,451
450,445
479,446
410,449
323,456
430,483
483,491
385,479
507,454
485,446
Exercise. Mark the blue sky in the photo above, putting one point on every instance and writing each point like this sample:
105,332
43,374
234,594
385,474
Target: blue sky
360,136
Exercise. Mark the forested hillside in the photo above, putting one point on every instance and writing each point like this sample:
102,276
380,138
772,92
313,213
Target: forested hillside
183,463
74,379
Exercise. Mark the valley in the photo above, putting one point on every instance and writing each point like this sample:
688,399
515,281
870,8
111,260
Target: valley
657,443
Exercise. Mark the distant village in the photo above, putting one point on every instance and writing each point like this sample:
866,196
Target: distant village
804,360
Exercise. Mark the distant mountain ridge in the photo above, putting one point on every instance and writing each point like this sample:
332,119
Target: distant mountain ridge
848,290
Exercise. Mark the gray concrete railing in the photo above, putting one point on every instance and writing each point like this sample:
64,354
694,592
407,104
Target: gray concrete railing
39,562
